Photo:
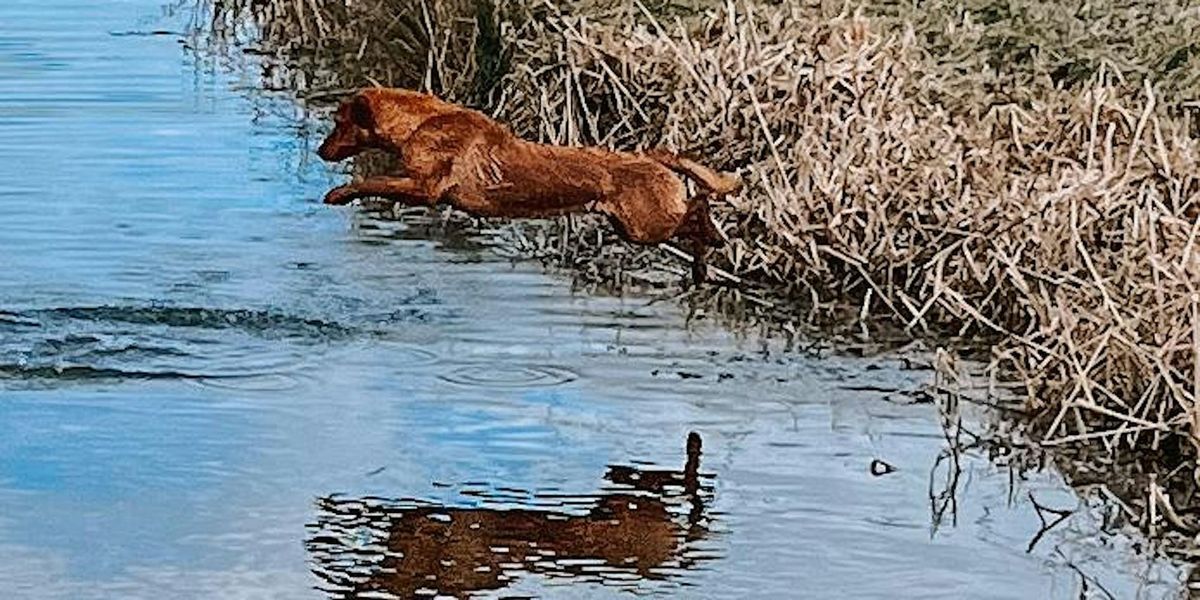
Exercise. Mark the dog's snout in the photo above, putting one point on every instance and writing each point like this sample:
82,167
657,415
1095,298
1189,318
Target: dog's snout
334,148
326,151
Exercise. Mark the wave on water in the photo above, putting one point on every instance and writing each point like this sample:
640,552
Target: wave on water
44,347
253,321
81,373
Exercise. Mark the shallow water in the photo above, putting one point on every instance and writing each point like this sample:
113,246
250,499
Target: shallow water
213,386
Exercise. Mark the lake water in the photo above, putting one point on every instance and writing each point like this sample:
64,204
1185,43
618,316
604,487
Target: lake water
213,386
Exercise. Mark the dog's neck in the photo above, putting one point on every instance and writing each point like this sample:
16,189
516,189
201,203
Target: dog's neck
399,113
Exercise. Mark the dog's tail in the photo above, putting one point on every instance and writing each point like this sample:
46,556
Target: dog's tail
716,184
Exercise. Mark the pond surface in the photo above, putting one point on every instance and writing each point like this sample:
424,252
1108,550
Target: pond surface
213,386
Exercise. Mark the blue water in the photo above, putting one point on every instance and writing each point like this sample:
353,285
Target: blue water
193,351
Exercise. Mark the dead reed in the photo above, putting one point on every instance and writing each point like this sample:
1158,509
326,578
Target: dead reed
1036,186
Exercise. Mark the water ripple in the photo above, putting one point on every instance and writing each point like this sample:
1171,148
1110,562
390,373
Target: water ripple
509,376
253,350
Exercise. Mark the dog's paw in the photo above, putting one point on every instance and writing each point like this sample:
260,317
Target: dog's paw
730,184
339,196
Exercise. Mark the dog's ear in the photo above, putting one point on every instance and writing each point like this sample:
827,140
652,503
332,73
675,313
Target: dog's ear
362,113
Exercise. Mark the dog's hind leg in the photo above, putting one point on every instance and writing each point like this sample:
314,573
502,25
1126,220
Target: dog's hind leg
701,234
718,184
400,189
698,223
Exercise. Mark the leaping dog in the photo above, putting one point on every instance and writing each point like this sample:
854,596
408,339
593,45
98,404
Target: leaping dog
455,155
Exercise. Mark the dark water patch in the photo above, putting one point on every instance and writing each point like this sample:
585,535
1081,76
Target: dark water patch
68,373
14,320
228,348
261,322
647,525
245,349
136,351
413,314
150,33
25,376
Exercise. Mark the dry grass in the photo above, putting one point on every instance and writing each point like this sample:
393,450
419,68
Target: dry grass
447,46
1028,175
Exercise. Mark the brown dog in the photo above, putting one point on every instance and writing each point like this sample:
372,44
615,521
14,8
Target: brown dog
462,157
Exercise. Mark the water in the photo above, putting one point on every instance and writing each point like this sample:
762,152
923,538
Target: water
213,386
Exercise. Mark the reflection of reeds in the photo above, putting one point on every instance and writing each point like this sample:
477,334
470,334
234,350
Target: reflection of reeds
1005,171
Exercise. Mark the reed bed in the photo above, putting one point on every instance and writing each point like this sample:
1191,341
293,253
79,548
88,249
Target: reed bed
978,168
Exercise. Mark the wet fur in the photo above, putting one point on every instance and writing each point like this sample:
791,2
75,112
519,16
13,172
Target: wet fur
462,157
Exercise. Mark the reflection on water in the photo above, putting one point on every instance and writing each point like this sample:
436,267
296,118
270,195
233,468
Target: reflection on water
645,525
193,349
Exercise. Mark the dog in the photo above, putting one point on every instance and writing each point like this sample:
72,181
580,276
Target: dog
455,155
636,531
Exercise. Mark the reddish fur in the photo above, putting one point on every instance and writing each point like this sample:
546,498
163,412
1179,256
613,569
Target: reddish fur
462,157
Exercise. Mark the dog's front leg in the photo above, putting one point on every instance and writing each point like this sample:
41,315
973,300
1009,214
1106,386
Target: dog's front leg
399,189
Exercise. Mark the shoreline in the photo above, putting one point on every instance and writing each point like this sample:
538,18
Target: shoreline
1045,208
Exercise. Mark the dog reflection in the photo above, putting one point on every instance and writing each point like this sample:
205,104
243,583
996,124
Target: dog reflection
640,531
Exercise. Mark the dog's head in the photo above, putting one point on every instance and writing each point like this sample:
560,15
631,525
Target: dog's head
353,129
382,118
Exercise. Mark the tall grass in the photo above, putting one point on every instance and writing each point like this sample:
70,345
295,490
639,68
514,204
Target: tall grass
1026,171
